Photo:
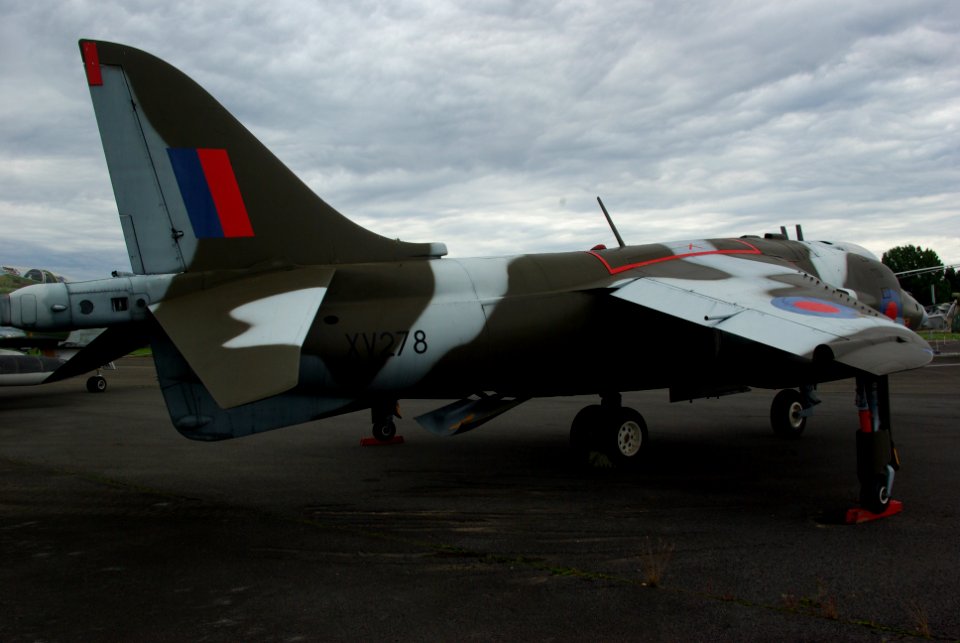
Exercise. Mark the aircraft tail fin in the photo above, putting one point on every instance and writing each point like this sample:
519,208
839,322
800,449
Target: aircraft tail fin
197,191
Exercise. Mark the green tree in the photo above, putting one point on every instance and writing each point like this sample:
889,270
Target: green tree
907,258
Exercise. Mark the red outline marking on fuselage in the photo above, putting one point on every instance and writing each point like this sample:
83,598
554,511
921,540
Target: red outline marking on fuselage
753,250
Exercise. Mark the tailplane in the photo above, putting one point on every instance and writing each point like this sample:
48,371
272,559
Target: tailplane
197,191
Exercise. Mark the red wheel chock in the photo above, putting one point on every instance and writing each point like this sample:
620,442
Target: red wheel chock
373,442
857,515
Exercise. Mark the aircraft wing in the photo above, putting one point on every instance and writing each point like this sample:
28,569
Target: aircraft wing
784,308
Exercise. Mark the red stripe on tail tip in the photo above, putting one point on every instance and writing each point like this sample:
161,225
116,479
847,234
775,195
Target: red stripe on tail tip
225,192
91,63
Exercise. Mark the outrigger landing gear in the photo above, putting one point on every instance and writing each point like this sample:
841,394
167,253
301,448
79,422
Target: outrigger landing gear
382,415
608,434
877,457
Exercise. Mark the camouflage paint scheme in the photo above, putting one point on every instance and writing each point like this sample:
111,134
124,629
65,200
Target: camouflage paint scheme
296,313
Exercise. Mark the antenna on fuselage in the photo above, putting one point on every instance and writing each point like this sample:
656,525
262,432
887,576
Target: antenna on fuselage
783,231
610,221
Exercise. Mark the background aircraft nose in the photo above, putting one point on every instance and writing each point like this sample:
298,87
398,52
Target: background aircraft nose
914,316
5,310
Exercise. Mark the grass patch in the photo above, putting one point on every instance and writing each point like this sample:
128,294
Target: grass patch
824,604
938,336
655,561
918,615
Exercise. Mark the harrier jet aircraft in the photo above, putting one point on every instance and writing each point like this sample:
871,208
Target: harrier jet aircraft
266,307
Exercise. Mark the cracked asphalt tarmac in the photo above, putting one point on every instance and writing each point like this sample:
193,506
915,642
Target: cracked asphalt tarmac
115,528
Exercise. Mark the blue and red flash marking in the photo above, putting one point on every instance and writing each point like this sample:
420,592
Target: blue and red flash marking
210,193
815,307
891,304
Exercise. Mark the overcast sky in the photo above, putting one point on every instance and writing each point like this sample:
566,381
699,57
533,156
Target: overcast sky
493,125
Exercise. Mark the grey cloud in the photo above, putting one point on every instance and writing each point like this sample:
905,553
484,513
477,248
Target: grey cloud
492,126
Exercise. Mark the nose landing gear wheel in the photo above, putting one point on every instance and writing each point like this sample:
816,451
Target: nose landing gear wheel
97,384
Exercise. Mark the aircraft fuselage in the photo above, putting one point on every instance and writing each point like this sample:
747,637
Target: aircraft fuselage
449,327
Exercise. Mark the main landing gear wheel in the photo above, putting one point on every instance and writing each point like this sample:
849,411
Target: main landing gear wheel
586,426
612,437
786,414
625,436
96,384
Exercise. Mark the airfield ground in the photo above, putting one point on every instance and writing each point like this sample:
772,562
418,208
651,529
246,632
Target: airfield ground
115,528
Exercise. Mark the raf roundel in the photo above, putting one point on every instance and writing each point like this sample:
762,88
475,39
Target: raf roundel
815,307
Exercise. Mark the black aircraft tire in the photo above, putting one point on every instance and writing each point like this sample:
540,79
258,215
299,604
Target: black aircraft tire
586,426
785,415
384,431
874,496
96,384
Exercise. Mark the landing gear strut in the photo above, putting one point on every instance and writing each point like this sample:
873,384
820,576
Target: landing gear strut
877,457
608,434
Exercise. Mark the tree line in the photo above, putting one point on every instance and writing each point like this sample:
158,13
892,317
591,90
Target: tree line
945,283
